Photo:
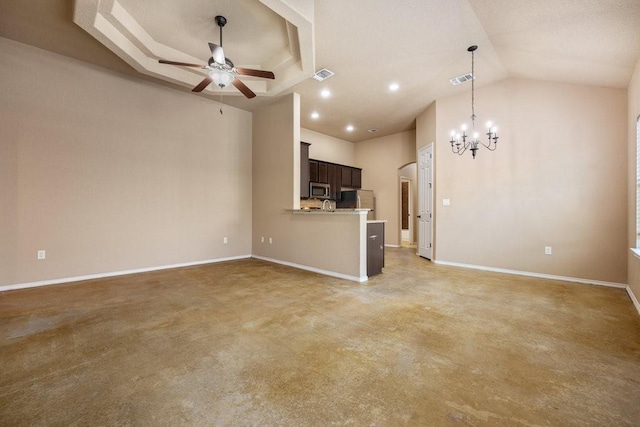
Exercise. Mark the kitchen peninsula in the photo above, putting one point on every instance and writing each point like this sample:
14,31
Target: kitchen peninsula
334,243
371,236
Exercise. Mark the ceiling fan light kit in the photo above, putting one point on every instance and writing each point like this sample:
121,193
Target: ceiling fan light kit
221,78
221,69
461,142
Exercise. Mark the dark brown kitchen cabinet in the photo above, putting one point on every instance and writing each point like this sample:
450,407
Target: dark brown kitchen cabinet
351,177
337,176
375,248
305,175
323,173
335,180
356,178
346,176
313,171
319,171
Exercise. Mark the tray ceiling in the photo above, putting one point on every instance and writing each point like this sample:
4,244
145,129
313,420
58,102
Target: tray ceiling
262,34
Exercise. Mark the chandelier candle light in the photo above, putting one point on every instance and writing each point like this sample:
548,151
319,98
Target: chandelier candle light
461,142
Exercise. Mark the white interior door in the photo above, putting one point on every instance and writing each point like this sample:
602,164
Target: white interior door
425,201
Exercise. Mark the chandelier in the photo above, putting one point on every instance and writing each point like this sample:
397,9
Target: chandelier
461,142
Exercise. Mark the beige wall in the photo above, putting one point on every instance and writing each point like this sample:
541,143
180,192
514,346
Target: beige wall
633,103
333,243
109,173
380,159
558,178
328,148
426,127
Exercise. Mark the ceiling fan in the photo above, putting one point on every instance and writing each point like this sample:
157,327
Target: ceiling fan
221,70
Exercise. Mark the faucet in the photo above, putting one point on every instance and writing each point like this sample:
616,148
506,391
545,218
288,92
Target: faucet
324,201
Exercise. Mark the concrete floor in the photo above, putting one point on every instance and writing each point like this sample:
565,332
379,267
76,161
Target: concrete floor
253,343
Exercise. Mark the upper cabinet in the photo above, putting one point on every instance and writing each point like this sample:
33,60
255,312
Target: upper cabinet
304,169
351,177
313,171
356,178
323,173
337,176
318,171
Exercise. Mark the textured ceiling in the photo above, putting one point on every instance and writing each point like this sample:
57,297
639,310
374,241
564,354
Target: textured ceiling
369,44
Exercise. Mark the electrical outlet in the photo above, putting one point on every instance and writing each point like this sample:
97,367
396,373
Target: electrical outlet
225,240
270,240
42,254
262,239
547,250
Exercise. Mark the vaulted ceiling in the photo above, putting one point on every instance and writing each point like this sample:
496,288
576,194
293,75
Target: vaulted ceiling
369,44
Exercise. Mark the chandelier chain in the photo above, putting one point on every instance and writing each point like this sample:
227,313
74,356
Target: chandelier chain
473,97
461,142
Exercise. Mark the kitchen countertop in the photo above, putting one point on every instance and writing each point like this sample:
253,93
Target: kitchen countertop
343,211
339,211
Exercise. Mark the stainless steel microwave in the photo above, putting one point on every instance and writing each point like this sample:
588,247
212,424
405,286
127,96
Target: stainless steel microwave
319,191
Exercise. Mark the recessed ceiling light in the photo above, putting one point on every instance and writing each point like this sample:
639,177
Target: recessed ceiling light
372,130
350,128
315,115
325,93
394,86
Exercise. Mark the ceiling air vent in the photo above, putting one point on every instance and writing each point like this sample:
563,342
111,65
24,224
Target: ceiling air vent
323,74
461,79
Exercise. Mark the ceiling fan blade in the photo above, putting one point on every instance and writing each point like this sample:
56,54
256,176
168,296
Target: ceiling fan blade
217,53
255,73
203,84
243,88
184,64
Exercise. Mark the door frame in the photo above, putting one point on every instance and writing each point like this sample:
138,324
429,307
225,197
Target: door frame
410,185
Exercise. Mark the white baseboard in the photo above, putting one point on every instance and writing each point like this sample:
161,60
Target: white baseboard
392,246
633,299
539,275
115,273
313,269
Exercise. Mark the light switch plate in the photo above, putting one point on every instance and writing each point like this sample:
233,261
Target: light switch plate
446,202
